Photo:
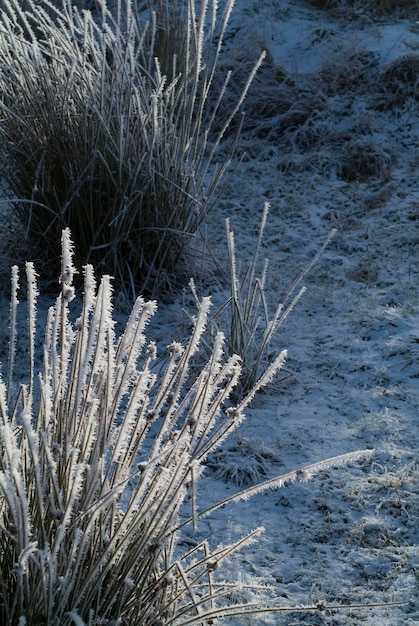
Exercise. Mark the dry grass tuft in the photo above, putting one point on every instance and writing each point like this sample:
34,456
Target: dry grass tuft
365,158
399,81
348,70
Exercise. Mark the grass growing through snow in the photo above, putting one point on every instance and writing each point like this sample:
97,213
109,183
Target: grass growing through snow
97,458
107,127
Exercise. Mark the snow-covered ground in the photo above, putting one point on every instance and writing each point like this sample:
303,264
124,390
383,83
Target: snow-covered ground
331,141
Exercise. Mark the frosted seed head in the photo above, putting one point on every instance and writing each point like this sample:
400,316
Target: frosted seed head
174,436
68,293
67,250
79,323
212,565
233,412
150,307
175,349
152,351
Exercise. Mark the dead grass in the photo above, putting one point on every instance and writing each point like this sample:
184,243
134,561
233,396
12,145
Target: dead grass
348,69
364,158
399,81
326,121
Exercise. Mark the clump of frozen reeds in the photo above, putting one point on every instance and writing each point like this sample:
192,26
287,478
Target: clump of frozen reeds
107,127
97,456
246,318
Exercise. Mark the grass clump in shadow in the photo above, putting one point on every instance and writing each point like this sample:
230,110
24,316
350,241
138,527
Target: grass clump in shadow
105,128
399,82
98,456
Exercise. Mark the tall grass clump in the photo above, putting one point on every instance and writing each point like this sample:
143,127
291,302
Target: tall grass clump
99,460
107,127
246,317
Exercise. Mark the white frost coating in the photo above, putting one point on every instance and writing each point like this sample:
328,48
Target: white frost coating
67,267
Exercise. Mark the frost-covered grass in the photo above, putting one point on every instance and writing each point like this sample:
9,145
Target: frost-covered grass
351,536
99,455
107,127
246,317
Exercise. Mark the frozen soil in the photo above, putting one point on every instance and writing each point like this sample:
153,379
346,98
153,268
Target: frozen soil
330,141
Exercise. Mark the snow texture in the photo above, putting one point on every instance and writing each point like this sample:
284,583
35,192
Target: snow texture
330,141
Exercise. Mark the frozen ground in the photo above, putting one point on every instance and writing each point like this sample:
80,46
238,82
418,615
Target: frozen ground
330,141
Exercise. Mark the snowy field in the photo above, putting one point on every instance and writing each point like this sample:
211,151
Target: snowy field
330,140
